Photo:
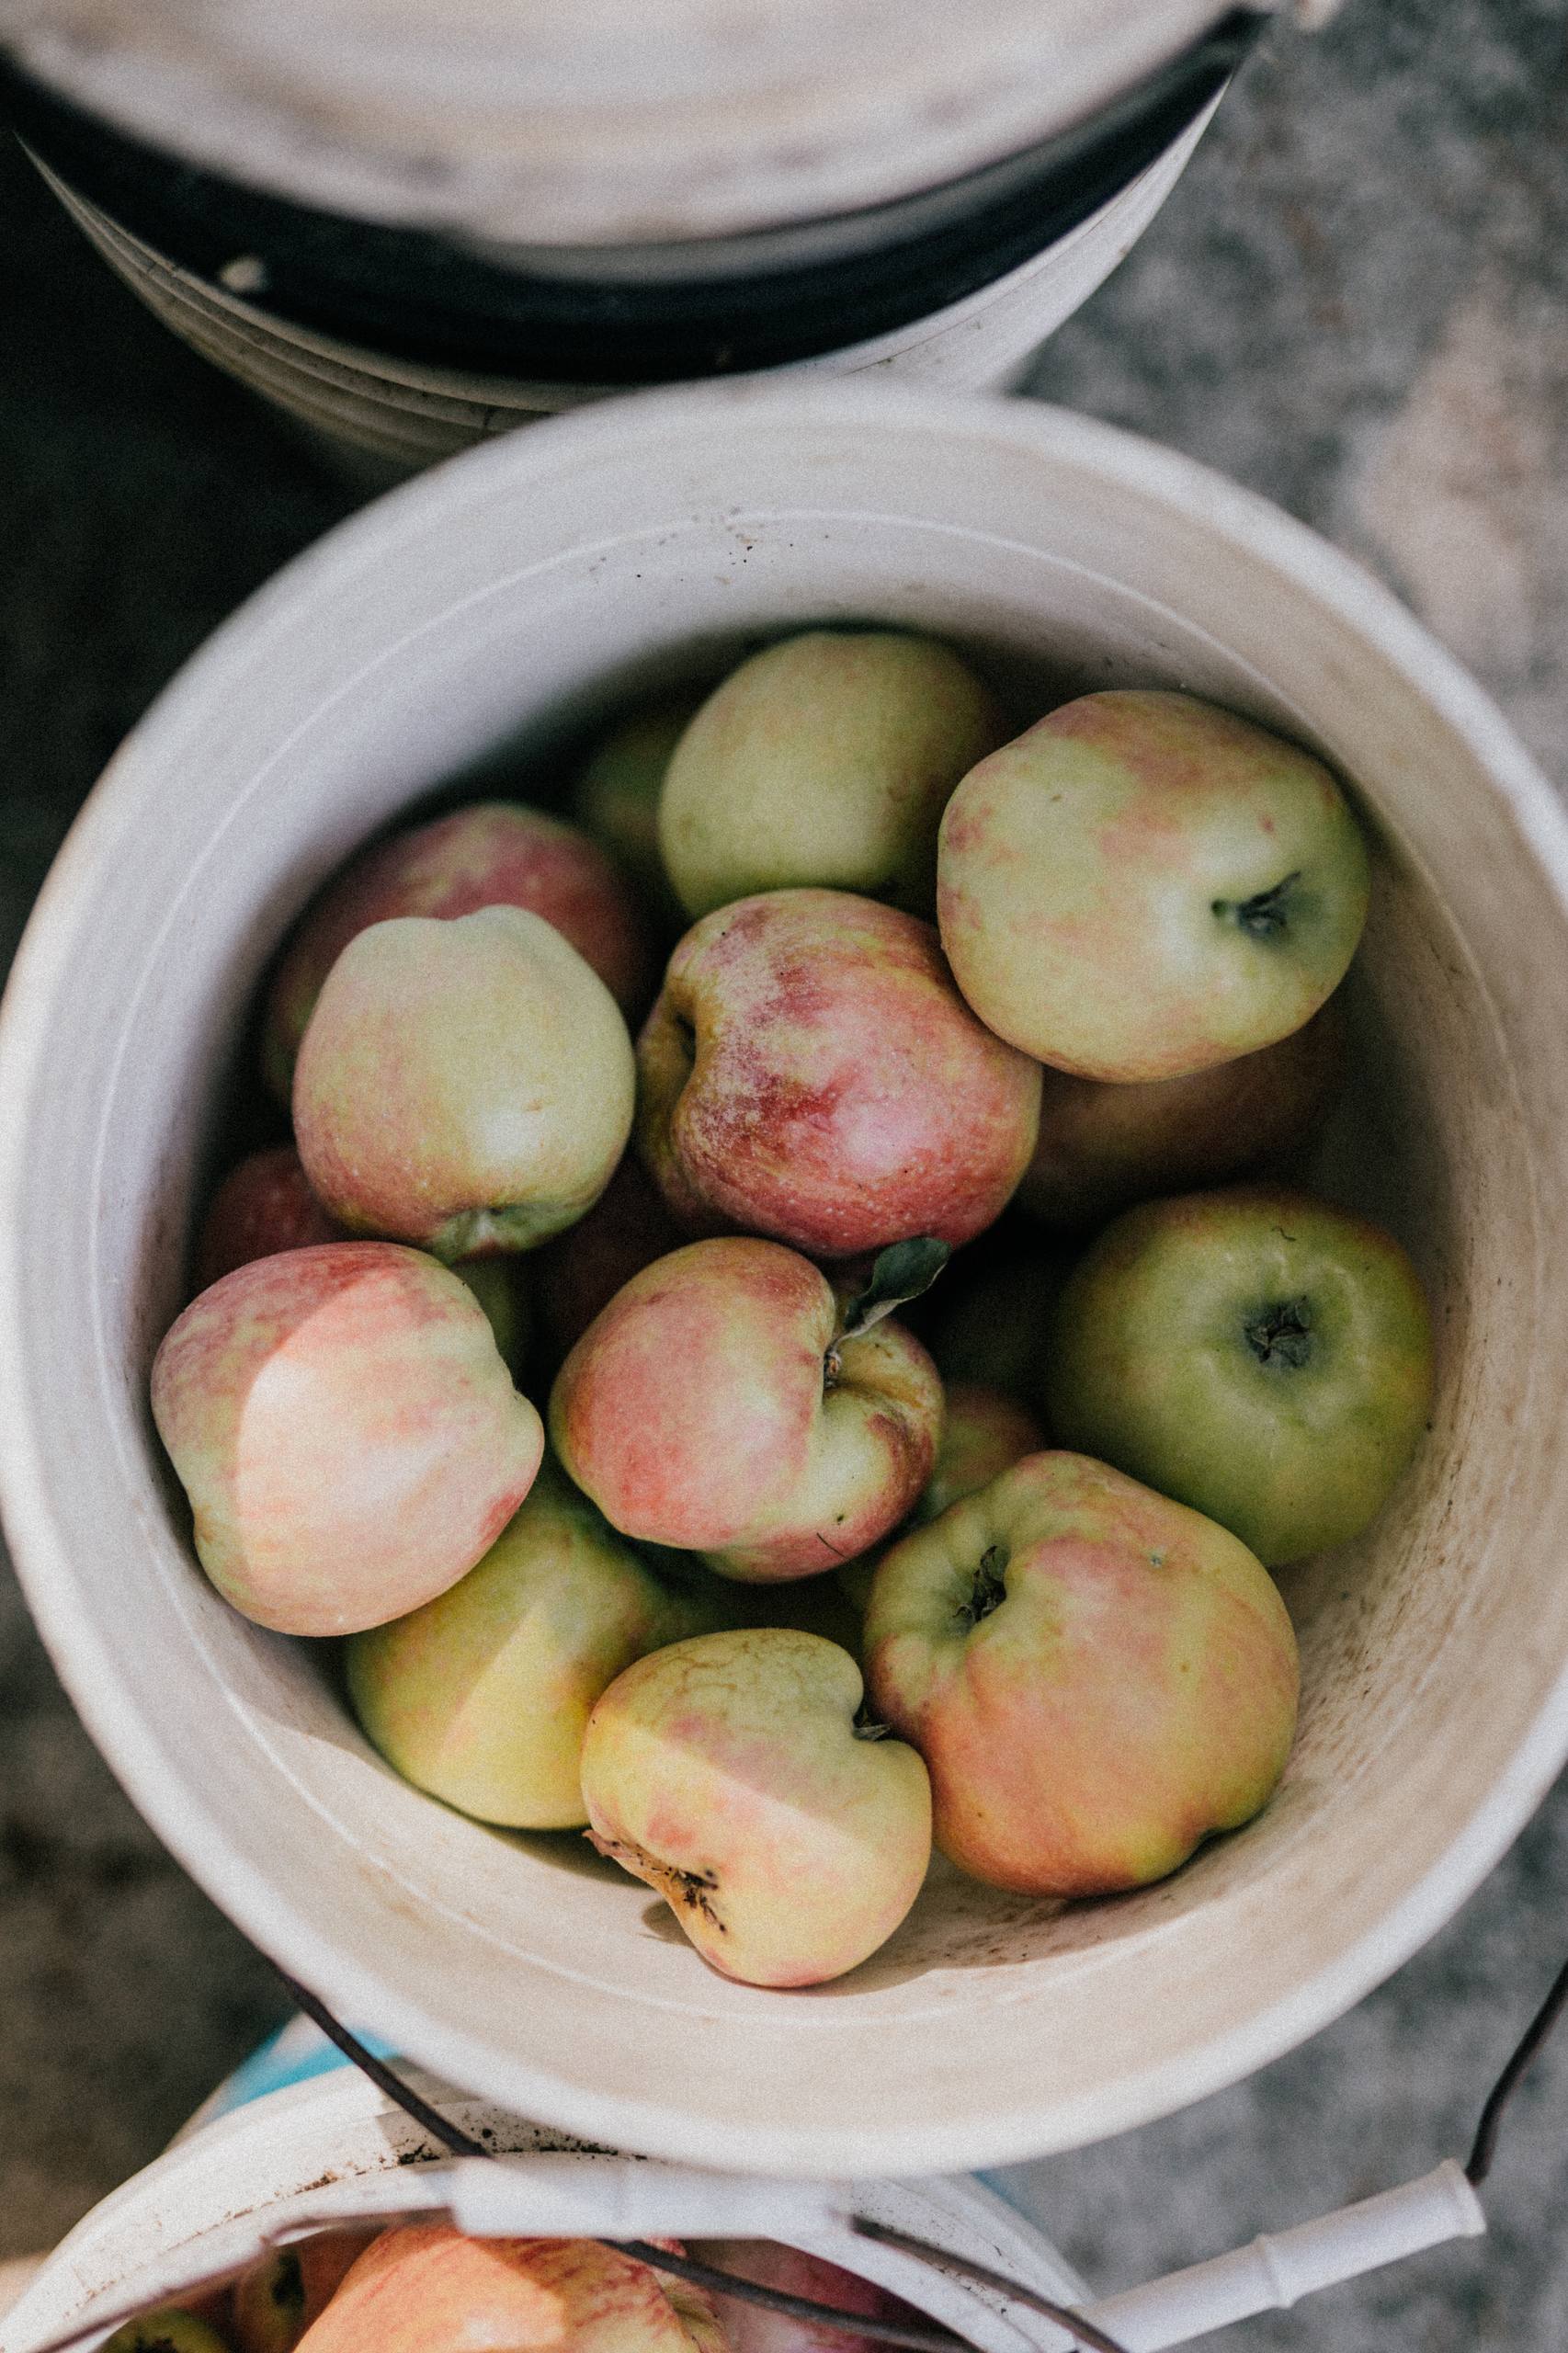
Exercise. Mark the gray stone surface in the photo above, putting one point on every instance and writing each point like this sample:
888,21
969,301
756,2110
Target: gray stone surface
1354,302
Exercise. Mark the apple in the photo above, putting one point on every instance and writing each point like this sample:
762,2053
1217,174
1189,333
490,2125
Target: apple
265,1204
616,797
1102,1146
810,1072
1097,1678
752,2328
1143,884
580,1272
426,2289
464,1085
480,1695
167,2330
826,758
348,1437
493,853
732,1774
284,2290
1263,1355
719,1404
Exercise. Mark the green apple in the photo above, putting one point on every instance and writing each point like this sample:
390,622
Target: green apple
1096,1677
735,1776
616,798
1143,884
828,759
167,2330
1263,1355
482,1696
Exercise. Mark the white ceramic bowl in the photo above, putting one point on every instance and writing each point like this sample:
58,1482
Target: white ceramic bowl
521,589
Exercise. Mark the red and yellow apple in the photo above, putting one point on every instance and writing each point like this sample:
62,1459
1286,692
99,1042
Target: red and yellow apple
1264,1356
426,2289
827,758
482,1696
732,1774
810,1072
717,1406
491,854
263,1204
464,1085
348,1437
1097,1678
1143,884
580,1272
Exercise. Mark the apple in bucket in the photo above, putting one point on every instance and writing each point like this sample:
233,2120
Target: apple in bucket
1097,1678
1142,884
809,1072
724,1402
737,1774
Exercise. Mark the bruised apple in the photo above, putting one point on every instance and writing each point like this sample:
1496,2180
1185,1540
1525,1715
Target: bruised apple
734,1775
463,1085
1097,1678
492,854
426,2289
718,1405
346,1430
826,758
482,1696
1143,884
810,1072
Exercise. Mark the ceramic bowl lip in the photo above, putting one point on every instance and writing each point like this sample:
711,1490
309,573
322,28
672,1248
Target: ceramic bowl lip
230,665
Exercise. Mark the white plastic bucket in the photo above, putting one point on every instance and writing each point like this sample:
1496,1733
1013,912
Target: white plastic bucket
525,587
400,415
203,2205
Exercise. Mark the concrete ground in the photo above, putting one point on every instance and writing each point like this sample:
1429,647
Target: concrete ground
1355,303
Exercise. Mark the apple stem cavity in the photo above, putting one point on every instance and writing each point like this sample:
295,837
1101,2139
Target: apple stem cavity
694,1890
868,1727
1281,1335
1265,915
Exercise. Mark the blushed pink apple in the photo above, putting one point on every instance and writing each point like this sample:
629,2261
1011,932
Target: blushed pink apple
426,2289
580,1272
1097,1678
826,758
752,2328
809,1072
278,2297
1144,885
1102,1147
482,1696
732,1774
348,1435
491,854
466,1084
716,1405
